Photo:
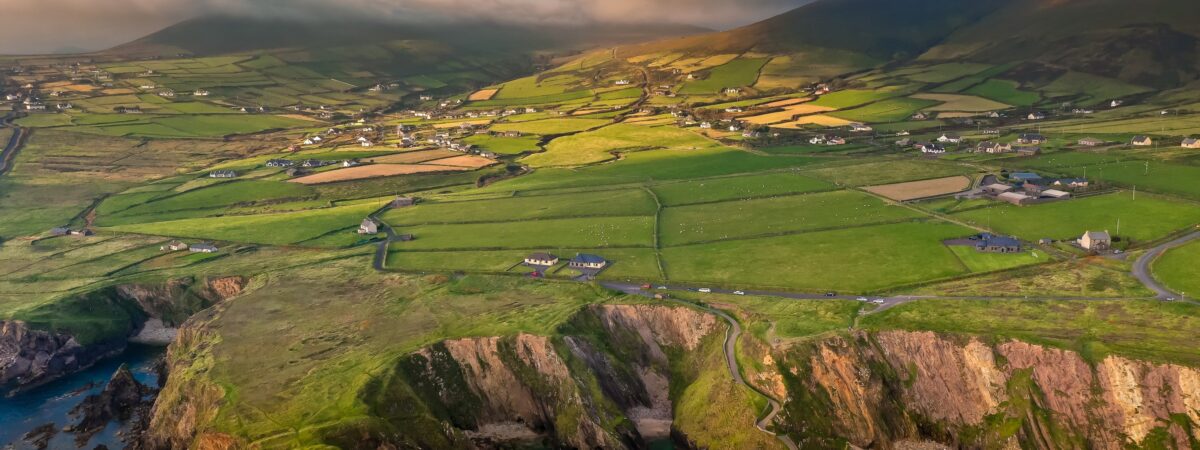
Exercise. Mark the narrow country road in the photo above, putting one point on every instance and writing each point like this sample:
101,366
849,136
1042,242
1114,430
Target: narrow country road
731,336
381,251
14,144
1141,267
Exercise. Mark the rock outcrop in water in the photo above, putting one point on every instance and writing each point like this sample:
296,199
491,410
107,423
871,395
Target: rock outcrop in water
32,353
123,399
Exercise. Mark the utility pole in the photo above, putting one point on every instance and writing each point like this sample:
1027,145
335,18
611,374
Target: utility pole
1118,226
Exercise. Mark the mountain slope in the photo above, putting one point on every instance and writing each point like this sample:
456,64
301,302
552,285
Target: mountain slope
222,34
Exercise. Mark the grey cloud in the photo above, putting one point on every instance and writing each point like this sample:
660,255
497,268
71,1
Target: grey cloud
30,26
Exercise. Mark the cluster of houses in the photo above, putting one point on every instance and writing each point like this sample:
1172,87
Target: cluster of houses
586,263
202,247
822,139
1026,188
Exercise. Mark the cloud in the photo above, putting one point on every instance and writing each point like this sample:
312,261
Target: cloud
30,26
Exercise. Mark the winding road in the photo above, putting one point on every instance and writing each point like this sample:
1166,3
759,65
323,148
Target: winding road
1141,267
13,145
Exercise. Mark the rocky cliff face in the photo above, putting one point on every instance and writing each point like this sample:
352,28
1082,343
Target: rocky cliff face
34,353
873,390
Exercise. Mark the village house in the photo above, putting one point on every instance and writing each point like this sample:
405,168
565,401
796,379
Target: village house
622,82
541,259
222,174
732,91
1036,115
1015,198
992,131
173,246
511,134
588,261
1071,183
993,147
920,116
280,163
733,128
1142,141
166,93
402,202
200,93
751,134
202,248
368,226
350,162
1030,139
860,127
1096,241
1115,103
816,140
1190,143
706,125
990,243
733,110
835,140
1090,142
949,138
997,189
930,148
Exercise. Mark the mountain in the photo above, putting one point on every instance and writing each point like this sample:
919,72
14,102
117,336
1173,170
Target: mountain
1153,42
212,35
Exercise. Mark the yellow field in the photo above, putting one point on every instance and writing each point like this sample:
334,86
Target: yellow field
483,94
468,161
921,189
468,122
413,157
787,114
373,171
958,102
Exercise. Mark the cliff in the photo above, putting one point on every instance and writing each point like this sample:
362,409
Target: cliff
872,390
71,334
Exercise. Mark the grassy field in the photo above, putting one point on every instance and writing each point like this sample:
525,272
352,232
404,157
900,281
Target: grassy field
977,261
599,145
890,110
1159,176
625,263
886,172
775,216
1005,91
1178,269
277,229
594,232
218,195
731,188
550,126
1147,218
957,102
504,145
858,259
1096,88
737,73
1149,330
626,202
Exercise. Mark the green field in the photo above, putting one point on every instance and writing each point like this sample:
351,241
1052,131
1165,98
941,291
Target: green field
1004,91
1096,88
550,126
977,261
858,259
592,232
731,188
505,145
627,202
223,194
775,216
625,263
740,72
890,110
854,97
1179,269
276,229
886,172
1147,218
1159,176
599,145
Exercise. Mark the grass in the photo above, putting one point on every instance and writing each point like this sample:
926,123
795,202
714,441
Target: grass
599,145
223,194
1084,277
854,97
1177,269
276,229
1096,88
550,126
773,216
788,319
737,73
860,259
957,102
1147,218
1148,330
595,232
1005,91
977,261
890,110
504,145
732,188
886,172
942,73
627,202
625,263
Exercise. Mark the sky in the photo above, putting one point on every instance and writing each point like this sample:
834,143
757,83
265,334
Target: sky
43,26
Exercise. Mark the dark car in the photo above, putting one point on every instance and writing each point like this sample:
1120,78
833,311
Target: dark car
831,294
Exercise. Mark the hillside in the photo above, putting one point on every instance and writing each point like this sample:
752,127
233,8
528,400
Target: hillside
222,35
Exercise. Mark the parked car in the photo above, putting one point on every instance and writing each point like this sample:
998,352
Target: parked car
704,290
831,294
661,288
878,301
862,299
738,293
645,287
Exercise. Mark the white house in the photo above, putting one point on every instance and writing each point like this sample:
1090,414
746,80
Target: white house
1096,240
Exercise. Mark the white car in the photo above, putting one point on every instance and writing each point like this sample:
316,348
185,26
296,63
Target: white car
738,293
863,299
878,301
704,290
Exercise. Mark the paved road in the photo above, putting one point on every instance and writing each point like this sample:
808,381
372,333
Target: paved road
13,145
731,337
1141,267
381,251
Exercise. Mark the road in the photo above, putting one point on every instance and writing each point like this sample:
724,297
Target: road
1141,267
731,337
381,251
14,144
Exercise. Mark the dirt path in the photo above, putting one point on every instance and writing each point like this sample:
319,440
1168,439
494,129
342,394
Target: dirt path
14,144
1141,267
